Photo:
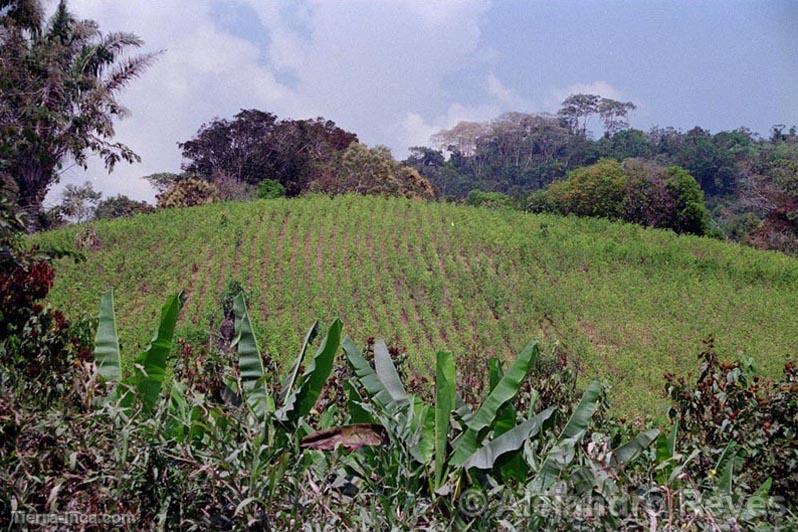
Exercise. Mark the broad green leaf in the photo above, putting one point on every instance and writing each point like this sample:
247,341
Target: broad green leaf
666,449
357,414
445,400
463,410
106,342
505,390
757,503
485,457
495,373
178,418
506,416
764,489
150,367
629,451
727,466
583,413
288,383
386,372
367,376
564,450
303,399
423,430
250,363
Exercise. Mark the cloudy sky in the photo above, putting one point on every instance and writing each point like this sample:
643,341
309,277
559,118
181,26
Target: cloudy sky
396,71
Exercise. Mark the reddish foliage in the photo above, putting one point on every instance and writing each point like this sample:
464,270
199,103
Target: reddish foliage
21,286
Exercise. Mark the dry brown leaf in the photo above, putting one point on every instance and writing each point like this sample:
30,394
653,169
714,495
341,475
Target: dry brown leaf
352,437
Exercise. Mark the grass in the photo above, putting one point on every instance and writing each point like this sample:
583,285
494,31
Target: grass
629,303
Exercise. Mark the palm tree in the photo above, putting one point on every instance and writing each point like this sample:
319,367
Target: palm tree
59,80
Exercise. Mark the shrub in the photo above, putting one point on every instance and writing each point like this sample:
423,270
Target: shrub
236,447
120,206
231,188
730,402
691,214
364,170
595,190
494,200
188,193
37,344
636,191
270,189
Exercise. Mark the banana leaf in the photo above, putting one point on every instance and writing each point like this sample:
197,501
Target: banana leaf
445,398
504,392
564,450
367,376
386,372
303,399
288,383
150,366
106,342
629,451
250,363
487,455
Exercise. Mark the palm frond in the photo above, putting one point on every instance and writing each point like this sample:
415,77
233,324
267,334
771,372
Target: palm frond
117,41
128,70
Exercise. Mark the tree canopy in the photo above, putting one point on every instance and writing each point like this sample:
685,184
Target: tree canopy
59,81
255,145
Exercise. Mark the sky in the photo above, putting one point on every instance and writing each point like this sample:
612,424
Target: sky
397,71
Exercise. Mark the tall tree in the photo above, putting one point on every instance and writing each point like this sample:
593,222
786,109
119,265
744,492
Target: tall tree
78,202
59,81
254,146
577,110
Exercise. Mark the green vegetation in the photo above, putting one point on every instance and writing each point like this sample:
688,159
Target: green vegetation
270,189
351,432
626,303
635,191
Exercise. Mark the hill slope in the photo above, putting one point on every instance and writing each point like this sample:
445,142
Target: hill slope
631,303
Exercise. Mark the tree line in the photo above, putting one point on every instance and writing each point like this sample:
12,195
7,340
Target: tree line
60,78
750,182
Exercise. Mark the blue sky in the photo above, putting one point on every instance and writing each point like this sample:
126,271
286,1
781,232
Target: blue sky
397,71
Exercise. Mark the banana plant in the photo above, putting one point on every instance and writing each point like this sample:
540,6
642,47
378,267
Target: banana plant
482,422
564,450
300,392
149,368
489,434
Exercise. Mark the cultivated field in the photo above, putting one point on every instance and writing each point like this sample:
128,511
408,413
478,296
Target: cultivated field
629,303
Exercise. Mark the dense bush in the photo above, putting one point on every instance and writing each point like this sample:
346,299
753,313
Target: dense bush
120,206
255,144
596,190
731,403
480,198
636,191
364,170
37,343
188,193
270,189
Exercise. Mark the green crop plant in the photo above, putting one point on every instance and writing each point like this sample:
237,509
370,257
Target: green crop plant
342,429
628,303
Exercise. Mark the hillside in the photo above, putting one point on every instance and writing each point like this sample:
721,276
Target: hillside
630,303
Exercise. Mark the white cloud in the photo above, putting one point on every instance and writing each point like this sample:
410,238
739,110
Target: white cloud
506,96
376,68
414,130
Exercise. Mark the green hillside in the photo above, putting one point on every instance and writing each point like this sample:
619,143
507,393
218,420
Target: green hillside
630,303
